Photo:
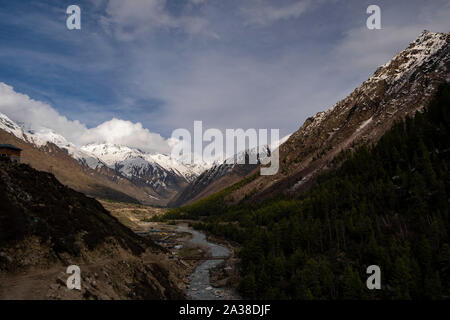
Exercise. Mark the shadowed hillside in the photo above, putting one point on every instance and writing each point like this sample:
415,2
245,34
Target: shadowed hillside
51,158
45,227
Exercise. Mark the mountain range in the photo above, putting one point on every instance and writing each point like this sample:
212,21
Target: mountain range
120,172
363,183
397,89
124,173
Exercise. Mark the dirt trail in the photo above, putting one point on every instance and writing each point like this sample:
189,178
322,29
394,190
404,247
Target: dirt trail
29,286
35,284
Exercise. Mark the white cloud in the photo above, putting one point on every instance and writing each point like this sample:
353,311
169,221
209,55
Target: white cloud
131,21
126,133
36,115
261,13
197,1
228,91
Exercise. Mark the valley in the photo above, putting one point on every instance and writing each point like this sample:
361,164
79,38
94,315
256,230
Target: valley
150,260
384,204
205,274
363,183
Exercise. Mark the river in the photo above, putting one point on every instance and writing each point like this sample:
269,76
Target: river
200,287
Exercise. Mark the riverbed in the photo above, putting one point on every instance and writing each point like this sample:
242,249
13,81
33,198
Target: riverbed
200,287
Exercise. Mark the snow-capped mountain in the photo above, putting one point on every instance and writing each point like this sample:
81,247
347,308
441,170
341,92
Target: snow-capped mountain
158,174
10,126
239,165
156,170
399,88
235,167
43,136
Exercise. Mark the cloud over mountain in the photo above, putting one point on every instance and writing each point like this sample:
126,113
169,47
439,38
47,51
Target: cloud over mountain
262,13
128,22
35,115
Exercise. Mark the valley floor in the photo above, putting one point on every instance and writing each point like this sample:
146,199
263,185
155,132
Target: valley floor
221,278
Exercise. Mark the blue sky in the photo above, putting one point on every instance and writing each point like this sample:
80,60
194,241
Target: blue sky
231,64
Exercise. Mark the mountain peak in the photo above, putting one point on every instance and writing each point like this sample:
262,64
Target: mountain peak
399,88
417,53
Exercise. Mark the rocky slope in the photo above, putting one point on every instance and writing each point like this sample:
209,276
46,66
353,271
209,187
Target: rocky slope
220,175
162,176
100,183
45,227
224,174
399,88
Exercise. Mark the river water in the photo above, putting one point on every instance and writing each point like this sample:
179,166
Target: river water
200,287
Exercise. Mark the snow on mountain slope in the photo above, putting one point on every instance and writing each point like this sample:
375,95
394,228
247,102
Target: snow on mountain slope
43,136
85,158
10,126
237,166
189,171
135,162
399,88
244,157
418,52
111,153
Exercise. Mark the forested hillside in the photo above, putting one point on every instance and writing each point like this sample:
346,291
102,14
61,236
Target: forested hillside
386,205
